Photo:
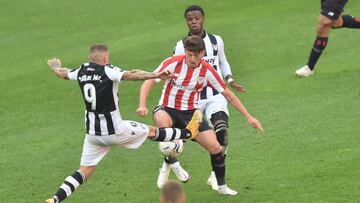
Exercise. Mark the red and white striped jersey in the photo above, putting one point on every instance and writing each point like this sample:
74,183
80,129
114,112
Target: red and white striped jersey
215,56
181,91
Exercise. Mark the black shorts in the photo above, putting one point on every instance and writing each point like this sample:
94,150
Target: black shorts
332,8
181,118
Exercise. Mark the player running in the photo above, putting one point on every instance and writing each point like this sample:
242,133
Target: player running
329,19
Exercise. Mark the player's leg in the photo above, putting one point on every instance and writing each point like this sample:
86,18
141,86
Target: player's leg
207,139
192,123
92,154
71,183
323,28
171,150
346,21
219,121
162,119
169,134
215,110
330,12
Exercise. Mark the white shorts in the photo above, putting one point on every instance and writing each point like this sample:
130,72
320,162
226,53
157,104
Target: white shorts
95,147
212,105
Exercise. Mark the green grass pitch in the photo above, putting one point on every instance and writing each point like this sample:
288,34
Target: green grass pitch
309,153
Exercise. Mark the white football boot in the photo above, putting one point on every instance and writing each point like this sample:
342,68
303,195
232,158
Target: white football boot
180,173
164,172
212,182
225,190
304,71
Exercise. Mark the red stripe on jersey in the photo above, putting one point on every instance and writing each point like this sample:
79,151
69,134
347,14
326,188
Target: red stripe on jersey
195,95
170,84
170,61
216,75
180,93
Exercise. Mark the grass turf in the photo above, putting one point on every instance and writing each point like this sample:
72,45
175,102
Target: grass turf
309,153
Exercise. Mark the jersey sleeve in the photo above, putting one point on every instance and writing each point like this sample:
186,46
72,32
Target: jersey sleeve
165,65
72,74
114,73
223,63
179,48
214,80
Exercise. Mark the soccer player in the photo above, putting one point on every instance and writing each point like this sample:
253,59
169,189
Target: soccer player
98,81
212,103
172,192
179,100
329,19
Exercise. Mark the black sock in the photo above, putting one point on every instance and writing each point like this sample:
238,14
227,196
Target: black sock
169,134
170,160
69,186
318,47
350,21
218,165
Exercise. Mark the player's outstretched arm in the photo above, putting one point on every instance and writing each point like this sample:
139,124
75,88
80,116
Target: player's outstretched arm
231,81
235,102
144,93
55,64
144,75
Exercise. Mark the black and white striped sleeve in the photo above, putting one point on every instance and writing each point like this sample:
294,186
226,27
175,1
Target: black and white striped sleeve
224,64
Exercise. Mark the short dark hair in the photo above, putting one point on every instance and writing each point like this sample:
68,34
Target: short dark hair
194,8
194,43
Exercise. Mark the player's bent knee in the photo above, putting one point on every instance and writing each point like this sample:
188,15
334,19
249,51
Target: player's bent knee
324,25
337,23
162,119
220,123
323,30
214,148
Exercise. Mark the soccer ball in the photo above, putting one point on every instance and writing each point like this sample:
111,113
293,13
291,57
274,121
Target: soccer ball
172,148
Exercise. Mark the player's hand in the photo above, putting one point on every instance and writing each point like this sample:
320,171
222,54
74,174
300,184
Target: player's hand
255,123
142,111
54,63
237,87
165,74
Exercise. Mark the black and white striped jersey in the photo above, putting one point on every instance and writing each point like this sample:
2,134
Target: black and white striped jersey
99,87
215,56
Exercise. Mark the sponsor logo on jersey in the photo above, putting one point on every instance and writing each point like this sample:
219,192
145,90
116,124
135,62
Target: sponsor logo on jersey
188,88
210,60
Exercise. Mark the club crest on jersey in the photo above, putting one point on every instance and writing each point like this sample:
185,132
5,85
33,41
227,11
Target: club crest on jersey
200,80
